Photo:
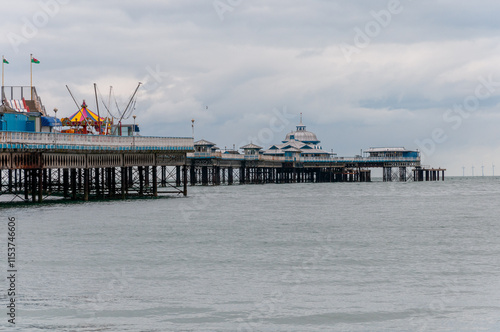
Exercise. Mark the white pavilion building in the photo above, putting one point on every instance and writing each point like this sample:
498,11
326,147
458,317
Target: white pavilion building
299,143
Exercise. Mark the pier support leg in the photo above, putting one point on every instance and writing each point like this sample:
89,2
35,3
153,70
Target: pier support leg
177,176
86,184
229,175
192,175
155,181
103,181
216,175
124,172
204,175
26,185
73,184
79,179
141,180
34,181
40,185
164,176
65,182
109,182
402,174
10,180
97,183
47,183
387,174
185,179
242,175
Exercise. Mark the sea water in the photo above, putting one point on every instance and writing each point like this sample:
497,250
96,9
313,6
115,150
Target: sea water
277,257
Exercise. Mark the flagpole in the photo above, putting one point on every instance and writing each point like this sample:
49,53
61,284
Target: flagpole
31,75
3,64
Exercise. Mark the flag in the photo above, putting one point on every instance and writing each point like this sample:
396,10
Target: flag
34,60
5,61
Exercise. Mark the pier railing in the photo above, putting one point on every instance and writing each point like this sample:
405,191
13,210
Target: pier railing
57,141
359,159
330,159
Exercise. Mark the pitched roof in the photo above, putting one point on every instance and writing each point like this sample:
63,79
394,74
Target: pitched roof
251,146
315,151
204,142
398,149
83,114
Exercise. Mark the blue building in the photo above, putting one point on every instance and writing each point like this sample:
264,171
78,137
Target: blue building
399,152
11,120
27,115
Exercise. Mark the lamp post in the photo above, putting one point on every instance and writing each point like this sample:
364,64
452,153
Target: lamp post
133,131
55,113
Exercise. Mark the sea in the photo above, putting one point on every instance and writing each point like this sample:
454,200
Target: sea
415,256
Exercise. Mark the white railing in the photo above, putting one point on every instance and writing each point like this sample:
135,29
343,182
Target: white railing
98,141
359,159
232,156
328,159
227,156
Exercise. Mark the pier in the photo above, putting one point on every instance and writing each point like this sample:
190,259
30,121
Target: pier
39,166
302,160
217,168
92,160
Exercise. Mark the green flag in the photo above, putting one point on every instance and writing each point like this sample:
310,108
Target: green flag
5,61
34,60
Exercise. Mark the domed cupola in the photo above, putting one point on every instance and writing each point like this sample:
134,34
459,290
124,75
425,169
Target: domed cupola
302,135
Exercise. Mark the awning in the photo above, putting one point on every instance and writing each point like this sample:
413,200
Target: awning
50,122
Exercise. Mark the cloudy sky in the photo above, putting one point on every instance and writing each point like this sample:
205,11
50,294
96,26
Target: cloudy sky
419,74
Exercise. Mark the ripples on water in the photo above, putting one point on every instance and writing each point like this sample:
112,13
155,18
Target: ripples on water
291,257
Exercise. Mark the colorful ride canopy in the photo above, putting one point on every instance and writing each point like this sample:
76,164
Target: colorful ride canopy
84,114
87,122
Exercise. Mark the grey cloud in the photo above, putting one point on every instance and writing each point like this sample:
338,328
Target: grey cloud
264,55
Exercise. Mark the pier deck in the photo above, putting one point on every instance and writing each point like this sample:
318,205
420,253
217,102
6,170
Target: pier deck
37,166
216,168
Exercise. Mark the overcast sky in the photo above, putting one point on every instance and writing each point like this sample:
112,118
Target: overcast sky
419,74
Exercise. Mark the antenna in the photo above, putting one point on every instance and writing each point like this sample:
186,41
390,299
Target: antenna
192,126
